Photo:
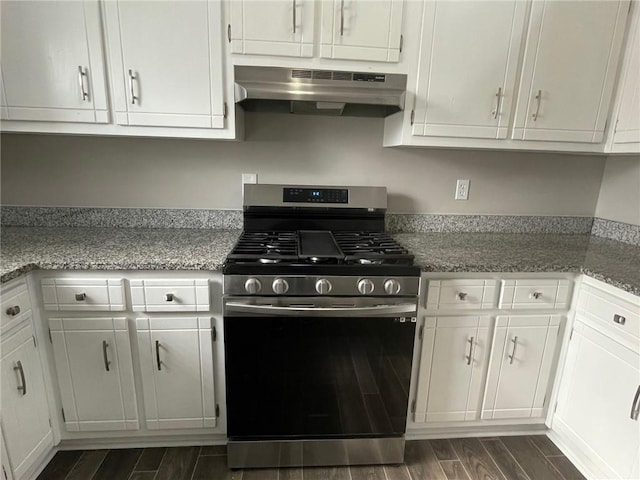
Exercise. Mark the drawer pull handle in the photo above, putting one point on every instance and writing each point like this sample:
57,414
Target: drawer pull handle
13,311
105,355
635,406
513,352
21,388
158,361
80,297
537,295
462,296
169,297
619,319
470,356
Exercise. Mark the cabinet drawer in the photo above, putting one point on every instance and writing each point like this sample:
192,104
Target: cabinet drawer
617,316
170,295
532,294
461,294
83,294
16,307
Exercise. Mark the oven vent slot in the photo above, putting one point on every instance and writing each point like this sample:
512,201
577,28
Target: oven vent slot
296,73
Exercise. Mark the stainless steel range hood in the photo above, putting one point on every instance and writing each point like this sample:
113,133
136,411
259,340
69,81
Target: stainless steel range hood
319,92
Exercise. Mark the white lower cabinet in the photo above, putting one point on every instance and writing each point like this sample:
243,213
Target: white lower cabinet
95,373
176,362
599,399
455,352
521,358
25,412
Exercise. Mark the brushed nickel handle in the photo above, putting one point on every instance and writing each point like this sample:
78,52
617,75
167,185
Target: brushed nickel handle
84,95
619,319
635,406
169,297
13,311
341,18
105,355
21,388
470,356
538,98
158,361
294,16
513,352
496,112
229,32
462,296
132,77
80,297
537,295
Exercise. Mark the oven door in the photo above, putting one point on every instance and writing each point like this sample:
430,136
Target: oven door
318,368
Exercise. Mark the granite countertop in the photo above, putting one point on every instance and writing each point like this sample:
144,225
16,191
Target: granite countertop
29,248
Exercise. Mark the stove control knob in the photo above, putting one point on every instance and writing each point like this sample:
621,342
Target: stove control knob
365,286
280,286
323,286
392,286
252,286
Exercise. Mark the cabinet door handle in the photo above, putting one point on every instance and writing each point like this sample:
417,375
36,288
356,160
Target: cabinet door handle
538,98
84,95
169,297
635,406
13,311
619,319
470,356
80,297
158,361
132,77
105,355
294,16
537,295
496,112
462,296
21,388
341,18
513,352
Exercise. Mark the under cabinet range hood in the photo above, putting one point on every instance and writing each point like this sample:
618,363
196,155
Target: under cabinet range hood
319,92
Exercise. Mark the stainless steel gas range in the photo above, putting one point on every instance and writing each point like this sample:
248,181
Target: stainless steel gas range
319,312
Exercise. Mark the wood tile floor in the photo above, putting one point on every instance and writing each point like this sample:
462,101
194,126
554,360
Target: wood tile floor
494,458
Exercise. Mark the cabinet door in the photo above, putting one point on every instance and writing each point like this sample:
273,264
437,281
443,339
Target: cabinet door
176,360
481,37
598,389
361,30
627,127
569,69
289,31
25,414
521,360
166,59
6,466
458,350
52,63
95,373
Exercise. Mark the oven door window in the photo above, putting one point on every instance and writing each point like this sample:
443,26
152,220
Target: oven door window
315,377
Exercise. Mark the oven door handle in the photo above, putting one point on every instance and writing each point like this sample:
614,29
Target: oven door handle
400,309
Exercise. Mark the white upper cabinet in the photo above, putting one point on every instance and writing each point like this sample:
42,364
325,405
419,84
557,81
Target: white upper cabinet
287,32
626,135
166,62
361,30
569,70
52,62
468,65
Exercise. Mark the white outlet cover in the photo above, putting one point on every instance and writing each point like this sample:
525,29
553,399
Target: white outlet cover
249,178
462,190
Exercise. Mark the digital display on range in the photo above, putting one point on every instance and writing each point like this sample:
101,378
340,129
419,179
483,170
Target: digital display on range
315,195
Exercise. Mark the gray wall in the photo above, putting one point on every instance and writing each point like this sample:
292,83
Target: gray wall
619,198
171,173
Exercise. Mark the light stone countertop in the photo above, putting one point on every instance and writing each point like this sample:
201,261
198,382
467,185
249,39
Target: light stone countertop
29,248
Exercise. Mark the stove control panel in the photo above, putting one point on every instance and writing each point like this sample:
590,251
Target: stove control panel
310,285
315,195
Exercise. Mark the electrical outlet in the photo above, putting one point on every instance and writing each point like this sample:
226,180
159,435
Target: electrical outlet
249,178
462,190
